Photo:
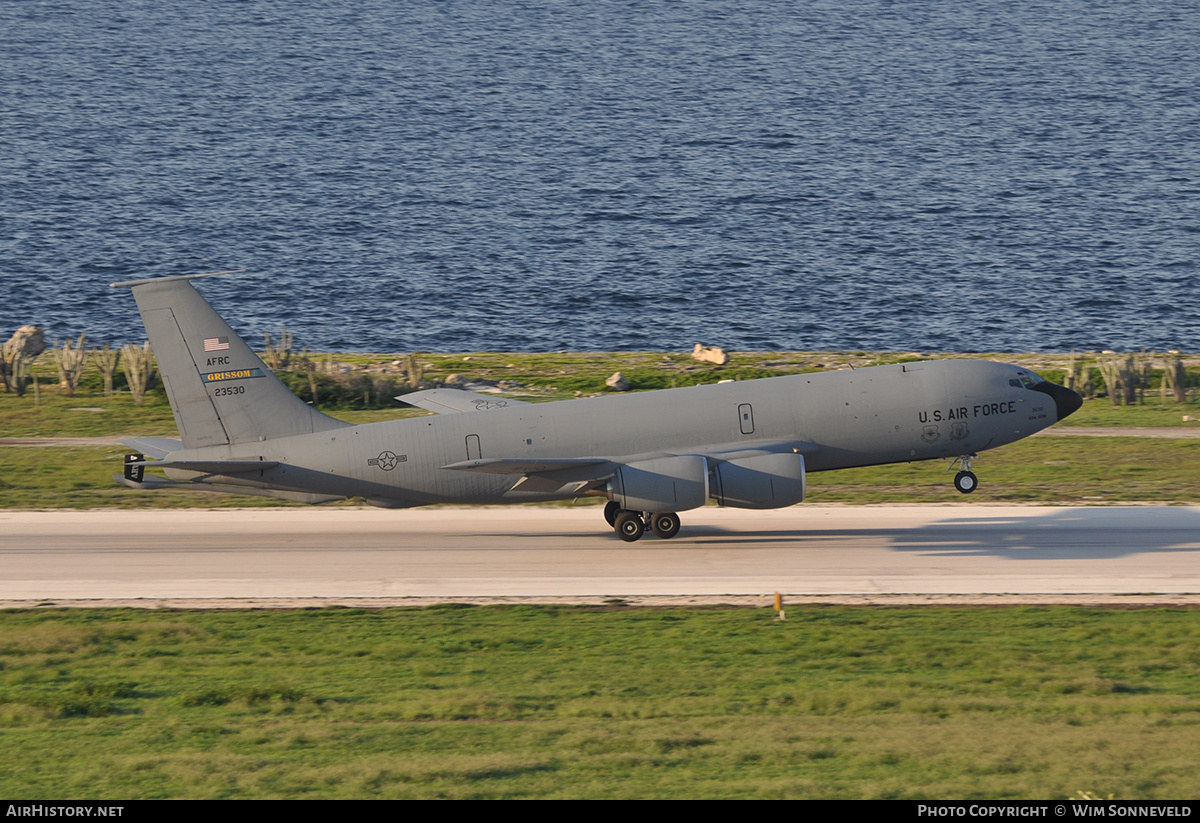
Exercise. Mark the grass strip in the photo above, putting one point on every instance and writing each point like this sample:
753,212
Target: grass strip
542,701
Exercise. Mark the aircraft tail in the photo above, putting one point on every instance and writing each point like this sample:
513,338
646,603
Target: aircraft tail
221,392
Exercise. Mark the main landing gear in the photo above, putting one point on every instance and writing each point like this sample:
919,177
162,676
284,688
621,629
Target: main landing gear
631,525
965,481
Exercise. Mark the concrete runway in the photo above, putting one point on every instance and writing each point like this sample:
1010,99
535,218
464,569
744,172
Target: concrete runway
281,557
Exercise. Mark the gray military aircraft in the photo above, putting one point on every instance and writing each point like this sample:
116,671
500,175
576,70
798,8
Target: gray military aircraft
747,444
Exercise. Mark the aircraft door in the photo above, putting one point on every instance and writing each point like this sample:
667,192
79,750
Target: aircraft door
473,451
746,418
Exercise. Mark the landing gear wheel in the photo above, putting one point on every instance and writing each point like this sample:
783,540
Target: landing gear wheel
665,524
629,526
611,509
966,482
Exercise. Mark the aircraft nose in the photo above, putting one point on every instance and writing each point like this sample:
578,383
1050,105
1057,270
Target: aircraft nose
1066,402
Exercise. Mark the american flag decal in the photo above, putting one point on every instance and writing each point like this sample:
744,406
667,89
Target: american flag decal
216,343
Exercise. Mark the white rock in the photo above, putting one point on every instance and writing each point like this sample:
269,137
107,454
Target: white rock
710,354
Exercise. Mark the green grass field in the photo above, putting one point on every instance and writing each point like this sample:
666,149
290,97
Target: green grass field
528,701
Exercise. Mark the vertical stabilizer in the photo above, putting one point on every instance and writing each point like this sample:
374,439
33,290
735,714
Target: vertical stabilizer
220,391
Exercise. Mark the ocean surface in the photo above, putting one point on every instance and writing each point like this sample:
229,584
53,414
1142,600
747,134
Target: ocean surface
950,175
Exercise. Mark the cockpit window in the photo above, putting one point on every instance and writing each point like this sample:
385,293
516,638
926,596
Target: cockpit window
1025,379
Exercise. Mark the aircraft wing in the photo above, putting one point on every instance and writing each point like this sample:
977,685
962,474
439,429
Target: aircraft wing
738,450
577,475
604,467
444,401
504,465
572,475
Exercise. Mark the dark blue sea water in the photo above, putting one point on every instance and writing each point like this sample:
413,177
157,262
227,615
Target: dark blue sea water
954,175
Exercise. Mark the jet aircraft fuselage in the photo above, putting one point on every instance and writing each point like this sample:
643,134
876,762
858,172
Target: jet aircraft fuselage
652,454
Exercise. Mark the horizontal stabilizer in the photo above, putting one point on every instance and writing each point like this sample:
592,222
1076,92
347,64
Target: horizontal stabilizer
446,401
208,466
505,465
155,447
158,484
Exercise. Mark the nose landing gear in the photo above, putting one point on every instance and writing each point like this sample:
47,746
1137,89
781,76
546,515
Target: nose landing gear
965,481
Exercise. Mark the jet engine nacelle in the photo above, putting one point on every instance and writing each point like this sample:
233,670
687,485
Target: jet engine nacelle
765,481
664,484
